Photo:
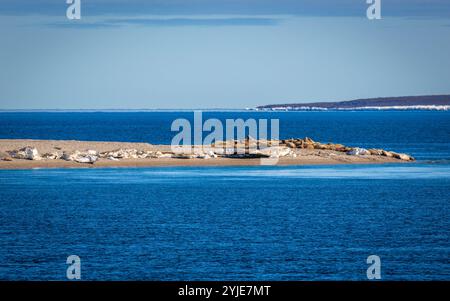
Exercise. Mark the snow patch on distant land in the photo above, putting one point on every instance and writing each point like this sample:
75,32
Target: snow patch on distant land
306,108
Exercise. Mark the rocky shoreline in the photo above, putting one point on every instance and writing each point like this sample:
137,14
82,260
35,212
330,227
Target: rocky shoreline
295,151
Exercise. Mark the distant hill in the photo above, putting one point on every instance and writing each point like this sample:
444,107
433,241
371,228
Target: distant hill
405,102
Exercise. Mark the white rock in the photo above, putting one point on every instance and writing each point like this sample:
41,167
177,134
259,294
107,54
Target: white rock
18,154
184,156
80,157
92,152
143,154
276,151
70,156
86,159
122,154
212,154
32,153
357,151
28,153
219,151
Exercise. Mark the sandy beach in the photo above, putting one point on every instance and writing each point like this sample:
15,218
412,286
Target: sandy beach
302,156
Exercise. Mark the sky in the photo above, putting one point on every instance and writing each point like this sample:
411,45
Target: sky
185,54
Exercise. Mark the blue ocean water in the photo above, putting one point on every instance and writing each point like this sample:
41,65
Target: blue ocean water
231,223
425,134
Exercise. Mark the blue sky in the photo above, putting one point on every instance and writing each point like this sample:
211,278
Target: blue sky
218,54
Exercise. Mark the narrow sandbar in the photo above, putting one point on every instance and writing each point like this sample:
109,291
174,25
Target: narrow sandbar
301,157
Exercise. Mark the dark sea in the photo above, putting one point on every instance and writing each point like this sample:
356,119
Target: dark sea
231,223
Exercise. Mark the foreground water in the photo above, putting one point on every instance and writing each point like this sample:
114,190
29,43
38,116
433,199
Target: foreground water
252,223
231,223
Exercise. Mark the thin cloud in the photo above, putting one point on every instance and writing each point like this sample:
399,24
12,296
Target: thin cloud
168,22
197,22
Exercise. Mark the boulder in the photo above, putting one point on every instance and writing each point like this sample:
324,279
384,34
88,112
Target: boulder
143,154
118,154
5,156
300,144
184,156
28,153
70,156
92,152
80,157
376,152
164,155
227,151
32,153
52,156
357,151
275,152
218,144
86,159
403,157
322,146
229,143
291,145
387,154
339,148
407,157
212,154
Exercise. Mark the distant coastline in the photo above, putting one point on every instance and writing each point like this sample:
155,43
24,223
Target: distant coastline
404,103
426,102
